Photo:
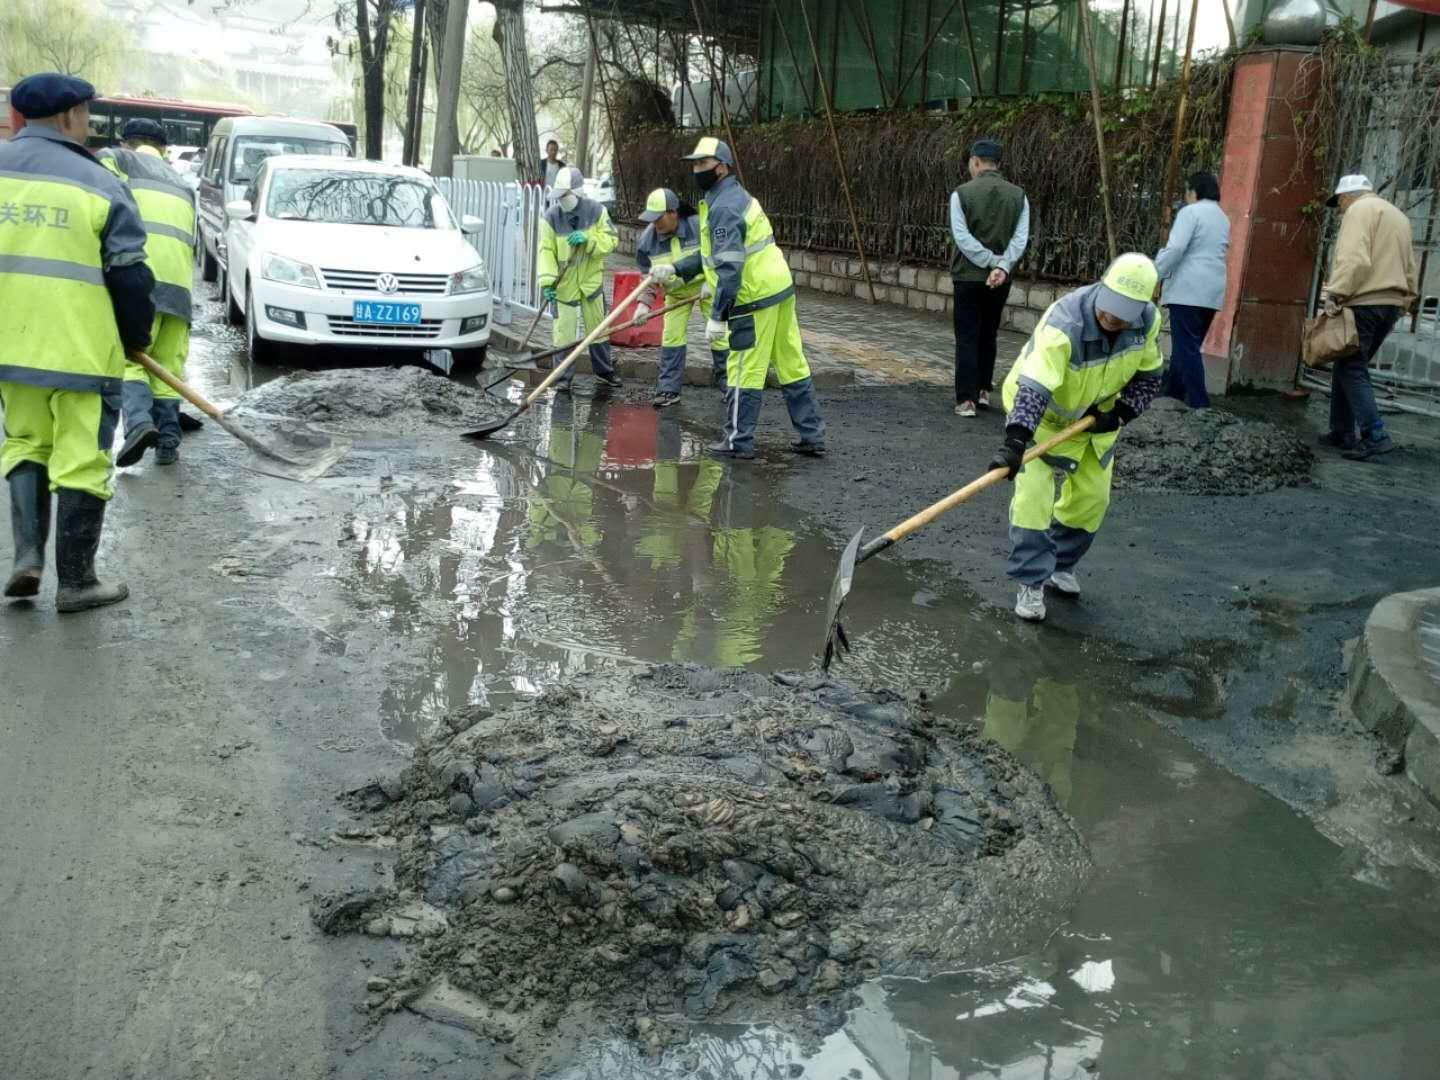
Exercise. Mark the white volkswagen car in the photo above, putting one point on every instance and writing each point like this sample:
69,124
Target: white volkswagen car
329,251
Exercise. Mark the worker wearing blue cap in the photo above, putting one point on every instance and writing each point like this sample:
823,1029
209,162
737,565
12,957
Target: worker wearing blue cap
752,307
150,407
74,293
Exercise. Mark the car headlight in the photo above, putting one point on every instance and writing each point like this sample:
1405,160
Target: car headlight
289,272
473,280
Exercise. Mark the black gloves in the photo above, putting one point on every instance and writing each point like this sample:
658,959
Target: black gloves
1011,454
1114,420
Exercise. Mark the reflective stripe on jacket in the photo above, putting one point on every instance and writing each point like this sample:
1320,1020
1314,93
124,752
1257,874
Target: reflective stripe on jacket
588,274
167,207
680,249
64,221
1071,362
747,271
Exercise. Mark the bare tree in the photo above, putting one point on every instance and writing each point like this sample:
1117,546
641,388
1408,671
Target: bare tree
59,35
372,21
515,55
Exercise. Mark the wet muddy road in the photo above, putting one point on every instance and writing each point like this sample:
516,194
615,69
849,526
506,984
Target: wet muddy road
168,770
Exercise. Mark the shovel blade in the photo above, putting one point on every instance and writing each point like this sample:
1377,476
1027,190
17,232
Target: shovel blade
486,430
292,455
835,641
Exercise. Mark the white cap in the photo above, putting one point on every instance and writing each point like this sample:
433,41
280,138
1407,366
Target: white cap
569,179
1349,185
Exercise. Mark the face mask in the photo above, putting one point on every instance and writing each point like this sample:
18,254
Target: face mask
707,179
569,201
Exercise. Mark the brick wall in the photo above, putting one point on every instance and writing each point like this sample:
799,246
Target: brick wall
914,287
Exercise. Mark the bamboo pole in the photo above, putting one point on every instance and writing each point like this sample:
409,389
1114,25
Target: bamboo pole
1083,7
925,54
835,142
714,78
1229,23
1124,37
795,61
609,113
1172,170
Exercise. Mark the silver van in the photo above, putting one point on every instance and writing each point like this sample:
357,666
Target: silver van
238,144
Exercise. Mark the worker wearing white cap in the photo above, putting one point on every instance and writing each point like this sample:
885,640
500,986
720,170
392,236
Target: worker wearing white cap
753,313
1373,274
575,237
673,237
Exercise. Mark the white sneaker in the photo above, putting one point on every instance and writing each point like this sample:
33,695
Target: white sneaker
1065,583
984,399
965,409
1030,603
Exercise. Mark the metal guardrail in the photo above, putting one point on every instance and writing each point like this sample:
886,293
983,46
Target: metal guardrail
508,240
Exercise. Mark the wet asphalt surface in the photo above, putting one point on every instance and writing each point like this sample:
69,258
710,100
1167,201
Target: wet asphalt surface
168,768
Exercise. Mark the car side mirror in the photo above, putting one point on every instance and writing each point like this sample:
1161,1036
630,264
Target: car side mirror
469,223
240,210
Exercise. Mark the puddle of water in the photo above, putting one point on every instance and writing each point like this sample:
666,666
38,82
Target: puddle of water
1221,935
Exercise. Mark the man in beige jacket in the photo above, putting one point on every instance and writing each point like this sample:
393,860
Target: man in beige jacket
1372,274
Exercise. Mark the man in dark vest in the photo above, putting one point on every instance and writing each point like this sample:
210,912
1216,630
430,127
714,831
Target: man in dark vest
990,224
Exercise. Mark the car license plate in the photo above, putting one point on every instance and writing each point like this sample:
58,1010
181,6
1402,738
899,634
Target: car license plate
370,311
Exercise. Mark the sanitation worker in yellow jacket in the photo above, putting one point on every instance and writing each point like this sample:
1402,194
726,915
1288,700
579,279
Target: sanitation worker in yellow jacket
575,237
74,293
1095,353
150,407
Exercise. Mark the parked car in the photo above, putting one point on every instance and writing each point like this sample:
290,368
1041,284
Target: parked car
353,253
601,190
238,146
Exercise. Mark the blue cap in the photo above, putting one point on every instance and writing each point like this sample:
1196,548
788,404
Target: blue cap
140,128
989,149
38,96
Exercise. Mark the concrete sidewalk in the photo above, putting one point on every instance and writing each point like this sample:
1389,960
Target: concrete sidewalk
1395,682
847,342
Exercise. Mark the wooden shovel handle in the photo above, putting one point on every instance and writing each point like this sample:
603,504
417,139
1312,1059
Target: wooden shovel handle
955,498
598,332
184,389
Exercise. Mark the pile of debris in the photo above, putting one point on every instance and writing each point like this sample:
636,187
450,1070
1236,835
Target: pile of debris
1173,448
718,845
371,399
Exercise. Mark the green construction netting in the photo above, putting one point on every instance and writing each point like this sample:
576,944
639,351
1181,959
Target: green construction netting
873,52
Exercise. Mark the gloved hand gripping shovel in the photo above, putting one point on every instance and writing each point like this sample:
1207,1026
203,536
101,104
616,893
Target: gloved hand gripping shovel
836,643
560,369
300,456
527,363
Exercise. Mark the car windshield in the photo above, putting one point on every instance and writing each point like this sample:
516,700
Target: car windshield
356,198
251,151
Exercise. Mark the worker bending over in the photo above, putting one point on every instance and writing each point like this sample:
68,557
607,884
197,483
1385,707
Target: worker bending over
74,292
575,237
1095,353
167,208
672,237
752,308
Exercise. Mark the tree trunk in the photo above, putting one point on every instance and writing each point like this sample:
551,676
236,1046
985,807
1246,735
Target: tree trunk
515,55
372,80
587,104
436,12
415,100
447,93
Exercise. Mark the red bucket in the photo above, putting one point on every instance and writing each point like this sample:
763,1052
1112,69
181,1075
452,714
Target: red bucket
647,335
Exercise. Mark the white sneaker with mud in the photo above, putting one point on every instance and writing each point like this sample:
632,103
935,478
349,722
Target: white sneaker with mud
1065,583
984,401
1030,603
966,409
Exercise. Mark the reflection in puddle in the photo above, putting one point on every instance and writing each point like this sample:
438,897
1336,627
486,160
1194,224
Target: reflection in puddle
1221,936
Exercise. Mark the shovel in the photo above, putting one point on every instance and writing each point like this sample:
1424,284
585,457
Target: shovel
526,363
540,311
600,331
304,456
836,642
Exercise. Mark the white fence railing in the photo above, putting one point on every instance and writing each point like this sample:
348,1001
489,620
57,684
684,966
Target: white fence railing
509,239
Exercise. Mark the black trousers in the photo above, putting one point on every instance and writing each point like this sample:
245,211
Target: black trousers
978,311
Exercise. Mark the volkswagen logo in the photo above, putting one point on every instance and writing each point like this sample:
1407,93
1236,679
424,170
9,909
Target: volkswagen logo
387,283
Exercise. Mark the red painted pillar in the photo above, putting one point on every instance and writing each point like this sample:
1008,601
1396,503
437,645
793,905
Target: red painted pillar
1255,338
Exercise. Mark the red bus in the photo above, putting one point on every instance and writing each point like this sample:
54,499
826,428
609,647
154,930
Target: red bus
187,123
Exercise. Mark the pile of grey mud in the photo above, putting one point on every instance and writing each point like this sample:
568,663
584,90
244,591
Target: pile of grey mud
1208,452
683,843
372,399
